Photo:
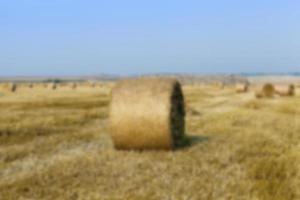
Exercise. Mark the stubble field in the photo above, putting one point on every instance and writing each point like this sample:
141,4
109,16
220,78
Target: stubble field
54,144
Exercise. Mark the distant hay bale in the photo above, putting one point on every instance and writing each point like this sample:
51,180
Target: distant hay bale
285,90
267,90
13,87
242,88
54,86
31,85
74,86
147,113
192,111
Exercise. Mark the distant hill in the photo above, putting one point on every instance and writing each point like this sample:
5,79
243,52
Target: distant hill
271,74
183,78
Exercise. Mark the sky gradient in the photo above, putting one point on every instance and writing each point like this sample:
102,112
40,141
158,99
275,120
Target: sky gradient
72,37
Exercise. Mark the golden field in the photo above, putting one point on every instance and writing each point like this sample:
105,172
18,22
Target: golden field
54,144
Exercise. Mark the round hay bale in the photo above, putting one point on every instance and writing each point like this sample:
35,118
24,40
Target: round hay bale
292,90
74,86
13,87
31,85
268,90
93,85
54,86
147,113
285,90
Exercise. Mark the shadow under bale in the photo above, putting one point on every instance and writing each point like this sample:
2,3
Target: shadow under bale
191,140
147,113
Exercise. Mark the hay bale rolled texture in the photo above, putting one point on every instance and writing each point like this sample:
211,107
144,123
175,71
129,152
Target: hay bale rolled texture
147,113
285,90
267,90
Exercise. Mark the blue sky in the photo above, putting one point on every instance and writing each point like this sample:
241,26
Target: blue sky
72,37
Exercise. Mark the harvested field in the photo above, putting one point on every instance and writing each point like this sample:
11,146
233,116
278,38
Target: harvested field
54,144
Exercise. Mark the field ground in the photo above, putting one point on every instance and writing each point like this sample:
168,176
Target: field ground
55,145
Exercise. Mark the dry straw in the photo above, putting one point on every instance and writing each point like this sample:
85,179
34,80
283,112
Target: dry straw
147,113
285,90
267,90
